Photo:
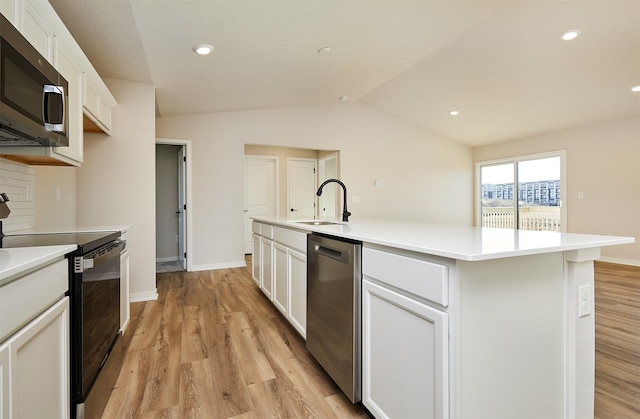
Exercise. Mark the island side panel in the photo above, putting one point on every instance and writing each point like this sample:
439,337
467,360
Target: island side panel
580,332
511,338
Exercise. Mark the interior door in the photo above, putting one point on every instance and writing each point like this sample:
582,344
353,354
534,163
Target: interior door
302,189
182,207
328,201
261,191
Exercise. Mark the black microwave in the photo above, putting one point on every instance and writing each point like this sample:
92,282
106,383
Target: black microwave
33,95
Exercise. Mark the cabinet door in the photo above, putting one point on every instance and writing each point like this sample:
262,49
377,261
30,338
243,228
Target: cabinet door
256,259
280,278
36,31
297,268
405,356
39,366
266,250
125,309
4,381
73,75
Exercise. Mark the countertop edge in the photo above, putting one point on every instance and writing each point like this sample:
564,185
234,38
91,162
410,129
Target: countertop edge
17,262
567,241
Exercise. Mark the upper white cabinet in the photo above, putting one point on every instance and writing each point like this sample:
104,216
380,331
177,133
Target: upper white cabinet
97,103
37,30
90,101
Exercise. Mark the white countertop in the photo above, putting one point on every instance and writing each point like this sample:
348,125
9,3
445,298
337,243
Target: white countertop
455,241
19,261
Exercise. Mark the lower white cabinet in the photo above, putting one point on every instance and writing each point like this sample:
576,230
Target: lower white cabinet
34,367
281,278
279,268
405,355
290,285
256,259
297,281
125,308
266,268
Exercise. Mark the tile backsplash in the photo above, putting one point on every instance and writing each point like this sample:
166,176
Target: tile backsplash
17,180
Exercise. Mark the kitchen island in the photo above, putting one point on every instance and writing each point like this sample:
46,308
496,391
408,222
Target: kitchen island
468,322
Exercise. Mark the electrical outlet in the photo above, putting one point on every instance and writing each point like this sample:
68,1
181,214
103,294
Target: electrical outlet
584,300
58,194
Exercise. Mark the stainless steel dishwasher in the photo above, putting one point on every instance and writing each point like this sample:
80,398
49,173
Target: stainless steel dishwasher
334,278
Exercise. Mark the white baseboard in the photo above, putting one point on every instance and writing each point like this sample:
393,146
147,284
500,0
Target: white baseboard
214,266
619,261
167,259
136,297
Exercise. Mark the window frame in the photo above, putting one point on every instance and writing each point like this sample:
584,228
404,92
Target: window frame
562,154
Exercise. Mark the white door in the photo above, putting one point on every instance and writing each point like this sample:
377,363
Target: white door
328,201
260,191
182,205
302,189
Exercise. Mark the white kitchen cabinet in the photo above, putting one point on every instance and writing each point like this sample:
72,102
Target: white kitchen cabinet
4,380
266,267
125,308
405,355
39,366
256,259
34,344
8,10
38,31
281,278
279,268
97,103
41,26
297,265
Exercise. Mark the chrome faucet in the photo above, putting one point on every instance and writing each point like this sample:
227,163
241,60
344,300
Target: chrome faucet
345,213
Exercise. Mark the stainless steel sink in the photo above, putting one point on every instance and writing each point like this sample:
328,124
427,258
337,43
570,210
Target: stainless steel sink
318,223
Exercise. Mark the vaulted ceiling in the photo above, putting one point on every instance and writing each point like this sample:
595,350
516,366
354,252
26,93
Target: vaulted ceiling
501,64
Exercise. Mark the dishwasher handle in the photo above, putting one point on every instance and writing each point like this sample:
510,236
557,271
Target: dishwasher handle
339,255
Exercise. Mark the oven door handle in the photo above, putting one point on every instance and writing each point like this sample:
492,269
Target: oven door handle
83,263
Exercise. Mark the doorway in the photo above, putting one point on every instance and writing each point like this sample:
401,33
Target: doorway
173,185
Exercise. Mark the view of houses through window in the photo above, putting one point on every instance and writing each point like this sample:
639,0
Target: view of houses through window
523,194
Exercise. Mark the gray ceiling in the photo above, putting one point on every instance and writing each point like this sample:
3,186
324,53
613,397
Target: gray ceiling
502,64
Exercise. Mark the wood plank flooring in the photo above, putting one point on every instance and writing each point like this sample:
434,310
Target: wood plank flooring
213,346
617,301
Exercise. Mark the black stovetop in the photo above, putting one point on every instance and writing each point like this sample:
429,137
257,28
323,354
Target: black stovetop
86,241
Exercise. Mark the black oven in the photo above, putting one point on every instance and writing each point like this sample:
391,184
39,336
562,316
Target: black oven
94,294
33,95
95,325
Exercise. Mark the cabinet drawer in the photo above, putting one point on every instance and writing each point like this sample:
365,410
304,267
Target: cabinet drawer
256,227
291,238
419,277
25,298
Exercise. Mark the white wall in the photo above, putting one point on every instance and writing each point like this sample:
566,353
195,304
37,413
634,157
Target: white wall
52,214
115,185
166,202
424,178
603,162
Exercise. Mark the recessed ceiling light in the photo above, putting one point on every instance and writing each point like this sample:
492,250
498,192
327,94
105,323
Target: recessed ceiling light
454,113
635,89
343,98
324,50
203,49
569,35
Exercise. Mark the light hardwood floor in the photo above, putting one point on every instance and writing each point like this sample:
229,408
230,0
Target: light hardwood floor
617,300
212,346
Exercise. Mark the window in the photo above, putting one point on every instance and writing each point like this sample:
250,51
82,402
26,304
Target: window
523,193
